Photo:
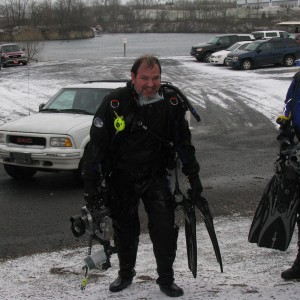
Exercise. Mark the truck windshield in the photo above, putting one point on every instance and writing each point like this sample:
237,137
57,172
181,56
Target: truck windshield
11,48
214,40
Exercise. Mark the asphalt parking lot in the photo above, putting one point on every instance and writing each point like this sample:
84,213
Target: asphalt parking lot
236,163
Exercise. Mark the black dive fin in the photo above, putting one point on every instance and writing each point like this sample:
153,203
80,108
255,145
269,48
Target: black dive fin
202,205
280,217
258,218
190,235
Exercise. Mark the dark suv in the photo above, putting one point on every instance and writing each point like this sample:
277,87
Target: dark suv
203,51
265,52
12,54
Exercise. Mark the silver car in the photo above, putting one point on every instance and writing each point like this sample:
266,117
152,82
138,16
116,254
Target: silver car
219,57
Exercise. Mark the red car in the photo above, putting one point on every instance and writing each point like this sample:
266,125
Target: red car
12,54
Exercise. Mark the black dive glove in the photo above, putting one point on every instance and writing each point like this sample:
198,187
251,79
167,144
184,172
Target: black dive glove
92,196
286,134
196,186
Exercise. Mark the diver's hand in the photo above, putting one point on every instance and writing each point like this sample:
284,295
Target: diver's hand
196,186
92,196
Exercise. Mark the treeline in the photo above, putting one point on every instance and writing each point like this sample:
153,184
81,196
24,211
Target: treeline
134,16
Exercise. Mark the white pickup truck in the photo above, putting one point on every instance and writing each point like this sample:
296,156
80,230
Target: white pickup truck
54,139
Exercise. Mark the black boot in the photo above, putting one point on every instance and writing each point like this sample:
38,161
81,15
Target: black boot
126,272
171,290
120,284
292,273
126,251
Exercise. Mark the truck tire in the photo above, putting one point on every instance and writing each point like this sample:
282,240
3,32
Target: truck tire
77,174
206,57
20,173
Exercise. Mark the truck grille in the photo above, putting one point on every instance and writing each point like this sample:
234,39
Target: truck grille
27,140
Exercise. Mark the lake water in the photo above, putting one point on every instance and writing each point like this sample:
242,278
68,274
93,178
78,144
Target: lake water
112,45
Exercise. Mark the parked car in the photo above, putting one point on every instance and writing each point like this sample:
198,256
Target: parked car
265,52
203,51
219,57
12,54
268,34
54,139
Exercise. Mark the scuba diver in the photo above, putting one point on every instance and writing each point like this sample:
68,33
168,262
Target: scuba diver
289,130
133,138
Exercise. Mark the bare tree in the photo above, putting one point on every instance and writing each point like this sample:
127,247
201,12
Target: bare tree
35,13
14,11
46,12
62,11
31,48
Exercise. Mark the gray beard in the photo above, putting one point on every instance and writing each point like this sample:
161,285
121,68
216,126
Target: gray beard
142,100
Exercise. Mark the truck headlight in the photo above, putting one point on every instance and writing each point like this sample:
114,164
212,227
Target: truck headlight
60,142
199,49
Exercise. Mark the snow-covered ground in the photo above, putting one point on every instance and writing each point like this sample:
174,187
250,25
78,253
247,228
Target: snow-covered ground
250,272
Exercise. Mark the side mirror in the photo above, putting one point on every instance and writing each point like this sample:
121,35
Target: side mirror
41,106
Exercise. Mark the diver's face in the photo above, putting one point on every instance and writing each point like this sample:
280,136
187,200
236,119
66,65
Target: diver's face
147,80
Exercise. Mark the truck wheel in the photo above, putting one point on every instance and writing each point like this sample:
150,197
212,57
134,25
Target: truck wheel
77,175
288,61
246,64
17,172
206,57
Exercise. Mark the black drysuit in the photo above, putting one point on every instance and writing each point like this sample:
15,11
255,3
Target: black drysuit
136,156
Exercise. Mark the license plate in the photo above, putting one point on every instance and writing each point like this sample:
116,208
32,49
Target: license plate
21,158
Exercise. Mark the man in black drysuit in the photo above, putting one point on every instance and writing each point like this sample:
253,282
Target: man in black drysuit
130,146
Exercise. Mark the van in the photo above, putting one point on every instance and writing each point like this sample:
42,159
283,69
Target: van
203,51
268,34
274,51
